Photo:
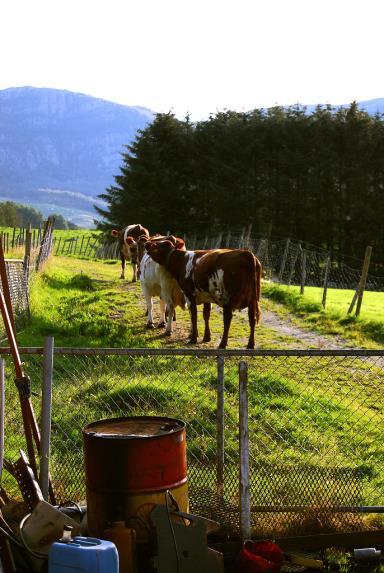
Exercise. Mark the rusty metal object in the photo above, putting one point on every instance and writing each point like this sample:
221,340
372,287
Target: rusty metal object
23,473
130,463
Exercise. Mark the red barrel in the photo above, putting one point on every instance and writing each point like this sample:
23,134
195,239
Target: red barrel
130,463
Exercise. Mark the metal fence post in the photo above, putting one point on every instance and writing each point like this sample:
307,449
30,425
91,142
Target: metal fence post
46,409
245,501
220,427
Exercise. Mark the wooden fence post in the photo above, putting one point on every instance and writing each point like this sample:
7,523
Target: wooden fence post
325,283
358,296
220,427
284,261
244,486
303,270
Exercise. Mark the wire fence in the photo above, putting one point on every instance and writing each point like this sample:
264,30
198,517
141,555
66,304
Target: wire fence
286,262
19,272
315,422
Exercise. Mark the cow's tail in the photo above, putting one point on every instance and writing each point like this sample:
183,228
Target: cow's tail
258,271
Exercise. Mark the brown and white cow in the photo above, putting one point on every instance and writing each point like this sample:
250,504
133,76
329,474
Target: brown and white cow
228,278
155,280
127,253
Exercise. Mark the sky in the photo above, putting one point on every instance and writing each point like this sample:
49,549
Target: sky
196,56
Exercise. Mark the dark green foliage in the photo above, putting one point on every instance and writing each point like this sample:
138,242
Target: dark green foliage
317,177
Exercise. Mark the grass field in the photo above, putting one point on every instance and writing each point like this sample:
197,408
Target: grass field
303,412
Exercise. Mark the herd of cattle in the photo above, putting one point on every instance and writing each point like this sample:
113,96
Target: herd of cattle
229,278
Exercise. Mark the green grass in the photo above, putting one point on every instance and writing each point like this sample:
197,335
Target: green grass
367,330
302,412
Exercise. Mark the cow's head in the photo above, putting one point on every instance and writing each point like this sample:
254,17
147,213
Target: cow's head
159,250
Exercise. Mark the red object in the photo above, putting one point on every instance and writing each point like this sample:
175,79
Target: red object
135,454
259,556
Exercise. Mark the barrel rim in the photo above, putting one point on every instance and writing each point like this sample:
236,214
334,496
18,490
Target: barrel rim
87,429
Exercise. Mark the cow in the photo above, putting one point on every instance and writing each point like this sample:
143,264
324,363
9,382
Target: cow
155,280
126,252
230,278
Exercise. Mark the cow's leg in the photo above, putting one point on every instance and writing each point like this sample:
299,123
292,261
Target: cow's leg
252,322
148,299
122,276
206,315
163,312
134,272
227,314
193,313
170,315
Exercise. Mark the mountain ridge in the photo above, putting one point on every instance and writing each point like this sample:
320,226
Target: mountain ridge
60,149
65,142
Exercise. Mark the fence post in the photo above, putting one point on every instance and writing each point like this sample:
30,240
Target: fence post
13,237
284,260
220,427
244,493
303,270
363,281
361,286
325,284
293,264
46,409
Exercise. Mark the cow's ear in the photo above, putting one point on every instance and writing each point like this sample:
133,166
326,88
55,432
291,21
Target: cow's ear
130,240
114,233
180,244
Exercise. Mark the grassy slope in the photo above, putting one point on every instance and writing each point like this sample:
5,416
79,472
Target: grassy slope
365,331
84,303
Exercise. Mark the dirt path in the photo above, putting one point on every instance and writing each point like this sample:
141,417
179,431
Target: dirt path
278,330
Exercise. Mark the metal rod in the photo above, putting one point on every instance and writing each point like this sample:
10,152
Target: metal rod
208,352
220,427
244,486
325,508
46,410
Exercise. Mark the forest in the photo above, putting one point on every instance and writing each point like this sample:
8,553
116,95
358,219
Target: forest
17,215
316,177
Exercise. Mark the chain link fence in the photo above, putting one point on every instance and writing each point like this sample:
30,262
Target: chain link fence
315,419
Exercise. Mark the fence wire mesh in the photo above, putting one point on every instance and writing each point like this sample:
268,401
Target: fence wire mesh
316,434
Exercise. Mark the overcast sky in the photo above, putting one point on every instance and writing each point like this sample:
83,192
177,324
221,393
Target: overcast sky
196,56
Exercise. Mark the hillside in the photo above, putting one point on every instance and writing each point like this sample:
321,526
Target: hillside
59,149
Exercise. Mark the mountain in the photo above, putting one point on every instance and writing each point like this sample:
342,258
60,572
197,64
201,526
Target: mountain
59,149
371,106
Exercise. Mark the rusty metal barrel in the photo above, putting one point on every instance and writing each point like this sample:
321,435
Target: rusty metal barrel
130,465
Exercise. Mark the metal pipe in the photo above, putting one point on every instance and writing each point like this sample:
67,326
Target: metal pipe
220,426
325,508
244,485
46,410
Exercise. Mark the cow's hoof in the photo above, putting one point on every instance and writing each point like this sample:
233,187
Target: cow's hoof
168,332
192,341
121,276
207,339
161,324
250,346
222,346
150,325
133,280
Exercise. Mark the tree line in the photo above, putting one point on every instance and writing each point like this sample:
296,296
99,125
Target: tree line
317,177
17,215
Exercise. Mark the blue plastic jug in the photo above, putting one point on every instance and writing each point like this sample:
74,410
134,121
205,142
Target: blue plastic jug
83,555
